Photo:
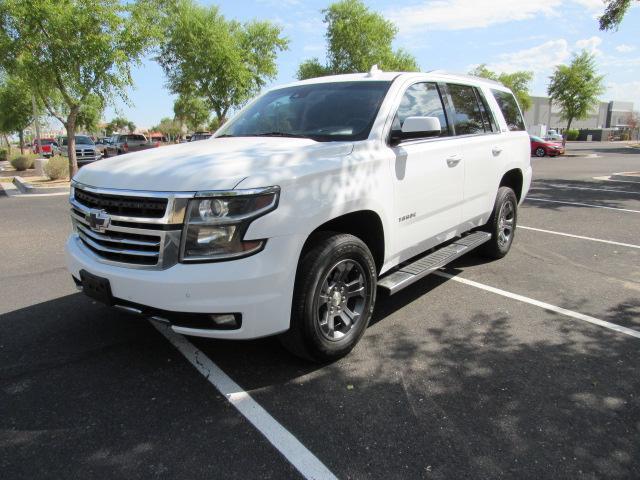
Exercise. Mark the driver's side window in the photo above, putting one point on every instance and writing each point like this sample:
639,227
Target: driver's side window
421,100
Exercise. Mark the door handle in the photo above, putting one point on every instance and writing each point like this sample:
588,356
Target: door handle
496,151
453,161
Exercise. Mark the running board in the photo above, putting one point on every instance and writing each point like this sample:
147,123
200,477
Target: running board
412,272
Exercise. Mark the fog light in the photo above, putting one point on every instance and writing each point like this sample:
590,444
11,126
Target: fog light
228,320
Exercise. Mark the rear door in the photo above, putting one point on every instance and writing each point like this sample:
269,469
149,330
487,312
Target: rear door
428,175
475,124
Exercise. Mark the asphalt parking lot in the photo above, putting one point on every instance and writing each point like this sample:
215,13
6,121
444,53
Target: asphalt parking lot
528,367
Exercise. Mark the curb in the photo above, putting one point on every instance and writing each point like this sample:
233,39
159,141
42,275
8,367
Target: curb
28,189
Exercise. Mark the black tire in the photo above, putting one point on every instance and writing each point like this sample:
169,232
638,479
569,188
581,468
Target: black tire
318,308
540,152
505,208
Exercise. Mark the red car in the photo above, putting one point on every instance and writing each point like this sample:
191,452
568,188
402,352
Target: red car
540,147
47,149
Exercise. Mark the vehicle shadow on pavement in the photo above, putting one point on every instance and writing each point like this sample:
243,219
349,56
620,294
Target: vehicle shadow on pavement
478,393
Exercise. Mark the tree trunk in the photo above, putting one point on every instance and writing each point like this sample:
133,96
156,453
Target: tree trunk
6,139
71,141
21,136
564,137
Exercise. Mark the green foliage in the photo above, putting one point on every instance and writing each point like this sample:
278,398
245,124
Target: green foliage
56,168
518,82
358,39
70,50
191,111
15,105
575,88
22,162
4,154
221,61
572,134
168,127
118,124
613,14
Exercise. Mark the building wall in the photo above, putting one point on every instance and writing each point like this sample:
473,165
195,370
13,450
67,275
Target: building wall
605,115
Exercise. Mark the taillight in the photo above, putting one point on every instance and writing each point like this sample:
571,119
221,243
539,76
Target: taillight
125,147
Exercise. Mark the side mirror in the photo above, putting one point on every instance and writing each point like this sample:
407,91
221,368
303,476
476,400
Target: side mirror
417,127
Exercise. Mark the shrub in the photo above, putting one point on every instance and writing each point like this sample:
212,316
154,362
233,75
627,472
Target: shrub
572,134
625,136
22,162
56,168
3,154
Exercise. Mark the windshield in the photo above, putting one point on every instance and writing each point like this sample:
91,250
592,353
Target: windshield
321,111
536,139
80,140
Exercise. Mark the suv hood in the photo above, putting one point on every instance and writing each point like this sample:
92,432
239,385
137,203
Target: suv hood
214,164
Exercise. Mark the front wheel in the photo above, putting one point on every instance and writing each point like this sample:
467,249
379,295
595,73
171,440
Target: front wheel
540,152
333,299
501,225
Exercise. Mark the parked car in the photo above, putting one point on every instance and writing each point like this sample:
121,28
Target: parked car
553,135
200,136
86,151
304,204
540,147
130,142
101,144
47,149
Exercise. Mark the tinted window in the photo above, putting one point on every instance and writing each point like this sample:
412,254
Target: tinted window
322,111
509,107
490,124
468,116
421,100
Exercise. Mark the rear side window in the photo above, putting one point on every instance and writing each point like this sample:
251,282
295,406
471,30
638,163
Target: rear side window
468,119
421,100
510,110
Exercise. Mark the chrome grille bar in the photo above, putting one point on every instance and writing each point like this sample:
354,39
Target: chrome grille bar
127,241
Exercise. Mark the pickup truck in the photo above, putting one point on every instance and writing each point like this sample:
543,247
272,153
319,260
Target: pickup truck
131,142
311,199
86,151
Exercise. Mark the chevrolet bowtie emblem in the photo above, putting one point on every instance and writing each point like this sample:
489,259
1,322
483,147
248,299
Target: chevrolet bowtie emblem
98,220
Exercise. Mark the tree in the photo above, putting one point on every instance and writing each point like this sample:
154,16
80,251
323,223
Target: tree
613,14
16,109
169,127
191,111
221,61
575,88
119,124
72,50
357,39
518,82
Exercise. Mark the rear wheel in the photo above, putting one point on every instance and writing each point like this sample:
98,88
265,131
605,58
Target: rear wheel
501,225
333,298
540,152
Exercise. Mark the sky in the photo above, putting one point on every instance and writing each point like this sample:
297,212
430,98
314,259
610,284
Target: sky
450,35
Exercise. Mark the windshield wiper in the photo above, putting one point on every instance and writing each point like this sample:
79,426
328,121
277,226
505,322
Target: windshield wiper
225,135
278,134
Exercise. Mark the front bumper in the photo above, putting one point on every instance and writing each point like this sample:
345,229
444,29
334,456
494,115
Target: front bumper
260,287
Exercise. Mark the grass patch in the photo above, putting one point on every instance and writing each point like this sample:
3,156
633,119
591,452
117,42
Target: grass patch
6,179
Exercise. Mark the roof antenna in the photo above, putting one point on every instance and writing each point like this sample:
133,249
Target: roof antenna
374,71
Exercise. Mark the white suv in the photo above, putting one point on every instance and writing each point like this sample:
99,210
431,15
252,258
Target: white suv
312,197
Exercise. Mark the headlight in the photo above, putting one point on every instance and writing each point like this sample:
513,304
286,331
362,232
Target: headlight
217,221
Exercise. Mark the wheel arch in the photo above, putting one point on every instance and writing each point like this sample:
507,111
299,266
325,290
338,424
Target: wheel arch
364,224
515,180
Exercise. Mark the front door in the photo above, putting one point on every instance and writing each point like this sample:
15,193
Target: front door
428,176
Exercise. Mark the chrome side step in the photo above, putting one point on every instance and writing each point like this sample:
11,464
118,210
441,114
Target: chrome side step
412,272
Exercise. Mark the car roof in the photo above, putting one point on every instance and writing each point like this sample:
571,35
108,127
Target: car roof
378,75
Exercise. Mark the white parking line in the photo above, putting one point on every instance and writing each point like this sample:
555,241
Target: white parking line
610,190
546,306
610,242
582,204
288,445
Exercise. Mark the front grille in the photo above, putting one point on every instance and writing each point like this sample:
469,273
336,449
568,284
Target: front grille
121,205
141,232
